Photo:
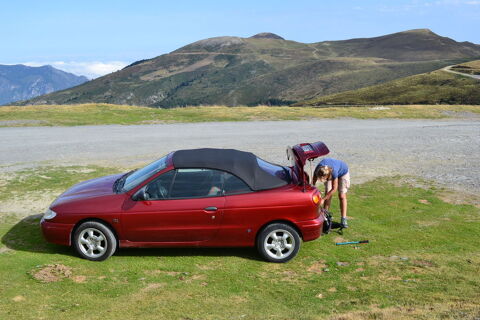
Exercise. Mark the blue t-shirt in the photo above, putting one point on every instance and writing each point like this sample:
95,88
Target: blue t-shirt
339,168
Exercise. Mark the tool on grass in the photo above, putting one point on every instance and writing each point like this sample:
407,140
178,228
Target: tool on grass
351,242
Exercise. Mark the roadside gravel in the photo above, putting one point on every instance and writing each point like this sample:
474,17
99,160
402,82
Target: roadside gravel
444,151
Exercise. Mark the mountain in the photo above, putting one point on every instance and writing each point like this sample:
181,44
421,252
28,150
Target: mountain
437,87
19,82
266,69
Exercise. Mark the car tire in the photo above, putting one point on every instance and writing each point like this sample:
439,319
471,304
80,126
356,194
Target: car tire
278,242
94,241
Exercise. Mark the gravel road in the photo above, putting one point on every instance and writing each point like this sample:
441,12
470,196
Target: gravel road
473,76
445,151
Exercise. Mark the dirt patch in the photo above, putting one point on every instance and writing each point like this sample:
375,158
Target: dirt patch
333,289
290,276
430,223
52,273
318,267
79,279
195,277
423,263
168,273
238,299
153,286
207,266
424,201
18,298
4,250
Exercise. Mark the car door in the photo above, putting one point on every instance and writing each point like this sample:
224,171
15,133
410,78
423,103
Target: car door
184,205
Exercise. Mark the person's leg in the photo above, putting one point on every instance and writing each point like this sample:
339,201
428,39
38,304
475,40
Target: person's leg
343,185
342,197
326,203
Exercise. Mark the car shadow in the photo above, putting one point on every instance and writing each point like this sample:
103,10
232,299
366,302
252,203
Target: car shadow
245,253
26,235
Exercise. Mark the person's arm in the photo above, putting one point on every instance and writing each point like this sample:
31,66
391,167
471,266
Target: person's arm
330,193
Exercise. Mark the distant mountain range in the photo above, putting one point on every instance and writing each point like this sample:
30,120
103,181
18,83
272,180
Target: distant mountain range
20,82
266,69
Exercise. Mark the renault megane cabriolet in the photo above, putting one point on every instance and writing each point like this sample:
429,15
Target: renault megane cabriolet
193,198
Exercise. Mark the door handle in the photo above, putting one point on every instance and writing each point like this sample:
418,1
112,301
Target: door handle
210,209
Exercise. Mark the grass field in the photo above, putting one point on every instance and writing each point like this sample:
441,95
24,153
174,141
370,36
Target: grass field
422,263
96,114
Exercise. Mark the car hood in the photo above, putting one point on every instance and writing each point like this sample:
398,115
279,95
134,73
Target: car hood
97,187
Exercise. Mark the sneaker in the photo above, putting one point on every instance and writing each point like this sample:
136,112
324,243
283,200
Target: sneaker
344,223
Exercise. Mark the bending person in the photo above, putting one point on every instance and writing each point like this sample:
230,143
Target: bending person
334,174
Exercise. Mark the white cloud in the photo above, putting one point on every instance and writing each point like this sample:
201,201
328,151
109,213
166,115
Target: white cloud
91,69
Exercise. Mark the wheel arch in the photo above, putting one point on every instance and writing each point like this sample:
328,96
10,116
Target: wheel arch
287,222
108,225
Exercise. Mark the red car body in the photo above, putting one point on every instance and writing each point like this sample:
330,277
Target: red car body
236,222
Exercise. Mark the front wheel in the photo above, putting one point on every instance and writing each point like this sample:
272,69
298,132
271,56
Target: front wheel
278,242
94,241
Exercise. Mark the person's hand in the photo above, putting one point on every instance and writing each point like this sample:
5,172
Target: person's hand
321,202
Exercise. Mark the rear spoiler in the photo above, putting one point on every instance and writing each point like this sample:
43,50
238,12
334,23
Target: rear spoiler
300,153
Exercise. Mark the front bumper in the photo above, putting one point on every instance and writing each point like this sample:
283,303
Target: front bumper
311,229
58,233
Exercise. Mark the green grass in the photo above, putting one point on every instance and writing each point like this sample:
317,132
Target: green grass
98,114
438,87
421,263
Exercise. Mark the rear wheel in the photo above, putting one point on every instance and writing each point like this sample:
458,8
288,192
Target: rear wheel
278,242
94,241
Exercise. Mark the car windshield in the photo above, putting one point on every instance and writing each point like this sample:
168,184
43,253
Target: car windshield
274,169
136,177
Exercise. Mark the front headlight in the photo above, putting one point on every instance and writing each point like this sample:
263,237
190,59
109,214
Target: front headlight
49,214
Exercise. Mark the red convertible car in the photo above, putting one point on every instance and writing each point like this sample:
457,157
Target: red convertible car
193,198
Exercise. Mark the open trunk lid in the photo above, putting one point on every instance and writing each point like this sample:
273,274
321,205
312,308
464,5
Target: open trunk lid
300,153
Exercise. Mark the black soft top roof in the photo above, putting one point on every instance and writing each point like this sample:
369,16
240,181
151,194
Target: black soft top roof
242,164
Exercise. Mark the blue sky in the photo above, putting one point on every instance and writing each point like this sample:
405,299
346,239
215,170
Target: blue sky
96,37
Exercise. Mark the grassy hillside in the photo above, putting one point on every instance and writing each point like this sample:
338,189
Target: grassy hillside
438,87
472,67
98,114
421,263
266,69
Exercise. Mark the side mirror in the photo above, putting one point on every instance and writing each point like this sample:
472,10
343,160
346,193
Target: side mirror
140,195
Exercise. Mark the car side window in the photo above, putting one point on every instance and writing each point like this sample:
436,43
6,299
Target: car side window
234,185
159,188
197,183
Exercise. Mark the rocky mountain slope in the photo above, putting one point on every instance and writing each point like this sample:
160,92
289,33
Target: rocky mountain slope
266,69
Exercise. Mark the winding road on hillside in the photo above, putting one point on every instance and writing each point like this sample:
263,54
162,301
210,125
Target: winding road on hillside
445,151
473,76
